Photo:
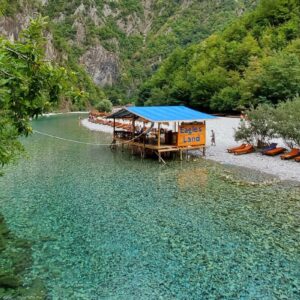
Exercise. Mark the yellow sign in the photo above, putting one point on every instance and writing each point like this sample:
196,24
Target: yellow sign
191,135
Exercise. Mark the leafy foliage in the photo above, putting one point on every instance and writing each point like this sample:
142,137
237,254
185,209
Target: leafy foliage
11,7
267,122
287,125
254,60
104,106
8,8
259,127
29,85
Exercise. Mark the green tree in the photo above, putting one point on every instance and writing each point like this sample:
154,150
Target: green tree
271,80
269,121
104,106
287,125
259,127
29,85
226,100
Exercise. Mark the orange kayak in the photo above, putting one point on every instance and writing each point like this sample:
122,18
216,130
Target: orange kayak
293,153
297,159
275,151
231,150
248,149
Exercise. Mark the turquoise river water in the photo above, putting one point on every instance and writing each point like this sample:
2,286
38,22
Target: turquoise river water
110,226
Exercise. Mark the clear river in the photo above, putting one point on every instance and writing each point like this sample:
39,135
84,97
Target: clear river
107,225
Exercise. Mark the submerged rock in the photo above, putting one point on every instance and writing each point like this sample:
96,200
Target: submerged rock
36,291
16,259
2,243
9,281
23,244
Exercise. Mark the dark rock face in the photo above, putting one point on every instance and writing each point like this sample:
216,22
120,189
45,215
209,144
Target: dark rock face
11,27
102,65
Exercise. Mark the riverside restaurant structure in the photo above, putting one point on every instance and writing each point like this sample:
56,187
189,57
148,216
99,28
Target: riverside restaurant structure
159,130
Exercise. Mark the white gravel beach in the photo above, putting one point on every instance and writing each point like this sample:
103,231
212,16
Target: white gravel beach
224,131
96,127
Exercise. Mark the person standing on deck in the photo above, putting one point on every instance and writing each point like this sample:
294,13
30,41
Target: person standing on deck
213,138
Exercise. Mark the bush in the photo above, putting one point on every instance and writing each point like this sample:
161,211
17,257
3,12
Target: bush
104,106
259,127
287,124
267,122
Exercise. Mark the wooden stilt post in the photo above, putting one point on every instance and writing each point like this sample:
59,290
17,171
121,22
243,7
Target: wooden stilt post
144,136
133,128
113,145
158,136
114,132
158,142
204,148
160,159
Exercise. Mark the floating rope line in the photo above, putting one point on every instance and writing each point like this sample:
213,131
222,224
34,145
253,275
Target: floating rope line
68,140
114,143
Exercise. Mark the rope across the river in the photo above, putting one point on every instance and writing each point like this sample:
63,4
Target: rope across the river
114,143
68,140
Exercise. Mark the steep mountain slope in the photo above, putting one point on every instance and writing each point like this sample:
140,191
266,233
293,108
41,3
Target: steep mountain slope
254,60
120,43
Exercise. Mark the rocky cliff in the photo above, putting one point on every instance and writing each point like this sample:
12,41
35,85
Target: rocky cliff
120,43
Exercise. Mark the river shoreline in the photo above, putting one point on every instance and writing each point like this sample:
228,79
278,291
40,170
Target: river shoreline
224,130
63,113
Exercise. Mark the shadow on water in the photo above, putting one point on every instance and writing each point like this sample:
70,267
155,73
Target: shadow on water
108,225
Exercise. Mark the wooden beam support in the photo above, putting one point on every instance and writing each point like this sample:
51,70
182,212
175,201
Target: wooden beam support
114,132
133,127
158,136
160,159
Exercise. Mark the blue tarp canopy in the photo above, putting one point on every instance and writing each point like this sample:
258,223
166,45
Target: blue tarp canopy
162,113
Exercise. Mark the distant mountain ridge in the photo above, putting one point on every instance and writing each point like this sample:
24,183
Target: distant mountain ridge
121,43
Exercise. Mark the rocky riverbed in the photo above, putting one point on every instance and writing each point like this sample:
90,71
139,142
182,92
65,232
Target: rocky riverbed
15,263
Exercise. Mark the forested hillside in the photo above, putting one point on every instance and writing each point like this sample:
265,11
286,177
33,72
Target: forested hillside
212,55
254,60
120,44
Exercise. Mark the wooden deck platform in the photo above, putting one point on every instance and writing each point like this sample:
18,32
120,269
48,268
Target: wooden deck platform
158,150
143,129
